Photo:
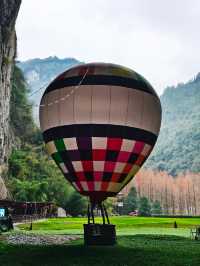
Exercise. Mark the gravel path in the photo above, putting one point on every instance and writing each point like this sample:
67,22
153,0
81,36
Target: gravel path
32,239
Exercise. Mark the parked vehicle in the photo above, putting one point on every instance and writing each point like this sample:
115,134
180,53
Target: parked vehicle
6,222
134,213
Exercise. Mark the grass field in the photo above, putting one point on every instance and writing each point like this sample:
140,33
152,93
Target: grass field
141,241
125,225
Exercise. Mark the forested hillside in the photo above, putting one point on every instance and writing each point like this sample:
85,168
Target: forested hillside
178,145
39,72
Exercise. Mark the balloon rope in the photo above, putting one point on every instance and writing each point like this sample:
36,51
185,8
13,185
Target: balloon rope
92,212
36,91
88,213
102,212
106,213
69,94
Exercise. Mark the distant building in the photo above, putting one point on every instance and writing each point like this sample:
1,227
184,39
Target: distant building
61,212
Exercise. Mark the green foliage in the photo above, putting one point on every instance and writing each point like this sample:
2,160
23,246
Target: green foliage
178,146
110,205
6,60
29,190
156,209
21,120
32,176
77,204
144,207
130,202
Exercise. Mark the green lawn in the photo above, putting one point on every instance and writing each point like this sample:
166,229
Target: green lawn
141,241
125,225
131,250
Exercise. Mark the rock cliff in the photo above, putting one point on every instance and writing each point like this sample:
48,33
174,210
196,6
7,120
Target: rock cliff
8,14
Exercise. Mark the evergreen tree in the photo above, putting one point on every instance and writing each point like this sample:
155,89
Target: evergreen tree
156,208
76,205
130,202
144,207
21,119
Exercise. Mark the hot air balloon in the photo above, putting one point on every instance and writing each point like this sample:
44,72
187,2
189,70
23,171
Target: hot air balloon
100,122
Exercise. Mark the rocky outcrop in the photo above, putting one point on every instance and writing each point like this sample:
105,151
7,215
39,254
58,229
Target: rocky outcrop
3,190
8,13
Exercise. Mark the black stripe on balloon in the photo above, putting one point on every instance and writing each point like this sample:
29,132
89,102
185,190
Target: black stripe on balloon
101,80
98,195
99,130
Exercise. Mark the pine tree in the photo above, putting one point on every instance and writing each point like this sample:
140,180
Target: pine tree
156,208
144,207
130,202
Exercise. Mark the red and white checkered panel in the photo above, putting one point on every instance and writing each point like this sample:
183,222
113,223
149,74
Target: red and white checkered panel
99,163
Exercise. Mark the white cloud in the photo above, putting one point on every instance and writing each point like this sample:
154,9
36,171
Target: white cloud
158,39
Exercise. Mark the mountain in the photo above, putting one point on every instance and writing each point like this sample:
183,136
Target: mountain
40,72
178,146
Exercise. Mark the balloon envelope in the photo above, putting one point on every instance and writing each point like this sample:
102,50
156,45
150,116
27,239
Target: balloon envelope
100,122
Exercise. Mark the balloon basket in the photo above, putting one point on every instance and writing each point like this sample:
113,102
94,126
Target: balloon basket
95,233
99,234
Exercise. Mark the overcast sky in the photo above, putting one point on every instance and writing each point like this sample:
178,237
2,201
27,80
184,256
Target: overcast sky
158,39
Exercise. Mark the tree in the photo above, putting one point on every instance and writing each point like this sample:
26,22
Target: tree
110,203
130,202
76,205
32,176
29,190
21,119
156,208
144,207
